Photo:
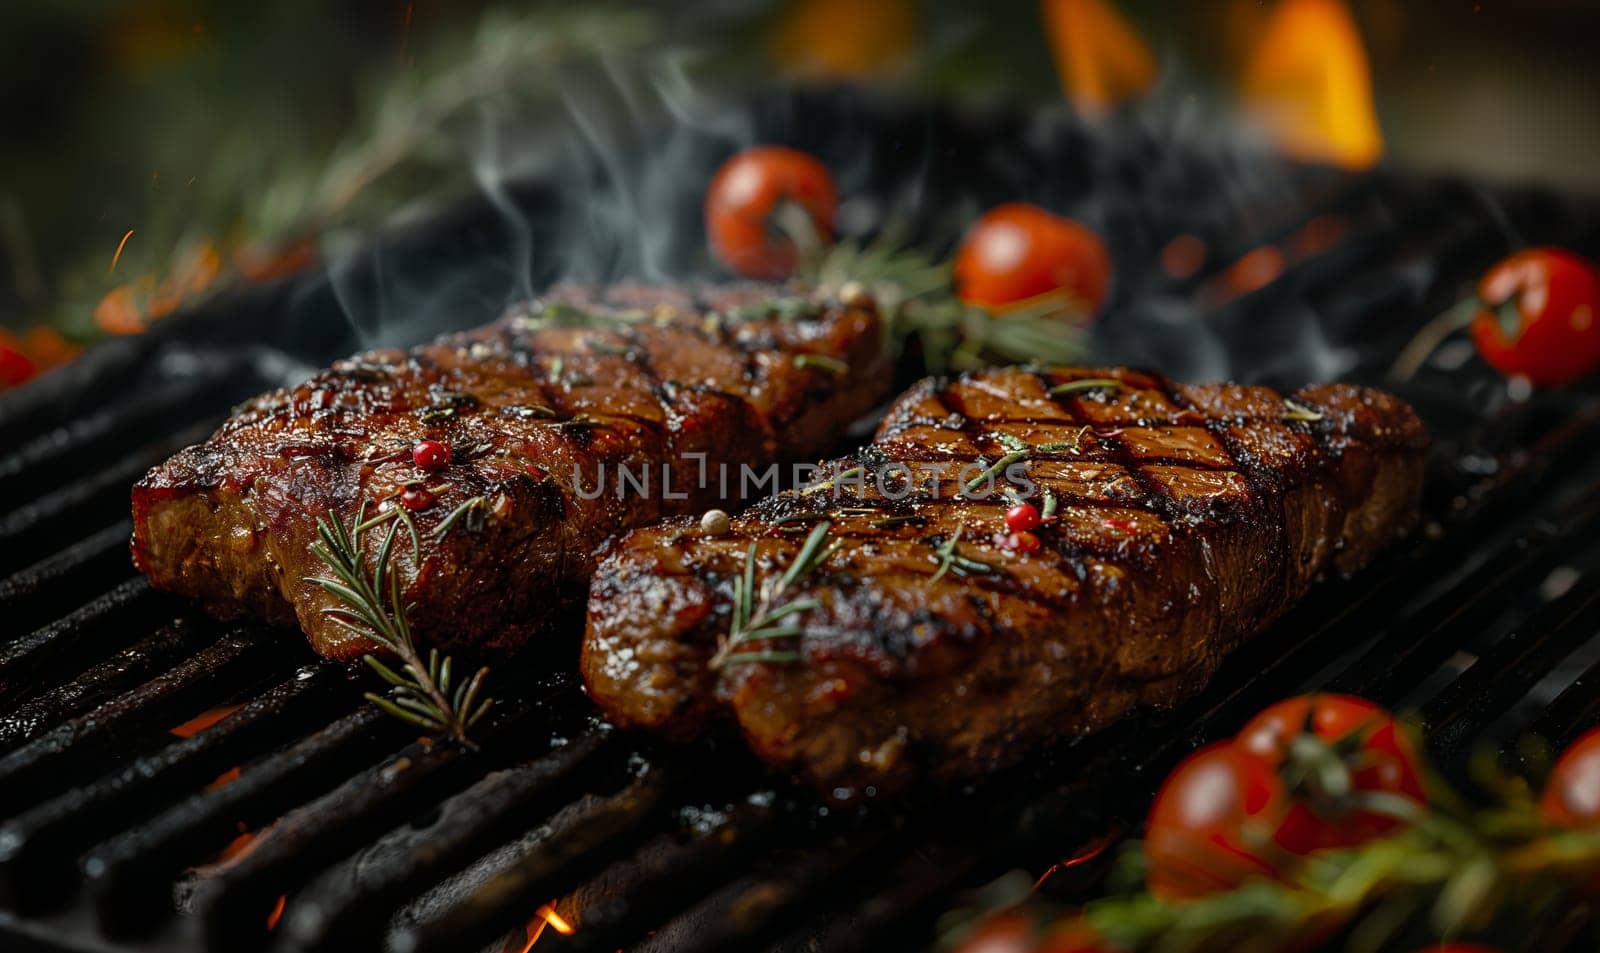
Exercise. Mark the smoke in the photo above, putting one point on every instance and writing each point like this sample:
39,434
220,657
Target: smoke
599,175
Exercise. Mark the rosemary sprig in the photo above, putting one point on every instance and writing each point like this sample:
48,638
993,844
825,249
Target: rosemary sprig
763,620
917,299
949,560
425,694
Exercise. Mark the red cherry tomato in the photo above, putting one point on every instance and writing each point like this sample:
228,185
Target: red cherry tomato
15,367
1542,317
1012,931
1572,794
1022,517
431,455
1211,826
1363,740
749,199
1017,251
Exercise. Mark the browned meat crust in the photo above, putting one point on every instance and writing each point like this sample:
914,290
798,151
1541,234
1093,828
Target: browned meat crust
1190,517
526,404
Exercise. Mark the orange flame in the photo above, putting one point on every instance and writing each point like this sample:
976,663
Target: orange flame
1309,84
1100,57
546,916
204,720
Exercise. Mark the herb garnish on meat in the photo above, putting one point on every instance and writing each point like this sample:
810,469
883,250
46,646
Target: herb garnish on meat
373,607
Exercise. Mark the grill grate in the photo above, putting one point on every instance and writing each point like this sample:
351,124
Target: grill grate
305,808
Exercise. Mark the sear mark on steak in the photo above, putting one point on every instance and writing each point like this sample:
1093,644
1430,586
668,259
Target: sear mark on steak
532,407
1188,518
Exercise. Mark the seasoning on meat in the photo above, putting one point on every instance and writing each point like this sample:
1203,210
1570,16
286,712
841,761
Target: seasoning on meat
506,447
1173,522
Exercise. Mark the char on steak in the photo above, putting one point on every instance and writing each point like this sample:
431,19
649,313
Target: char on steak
926,645
540,410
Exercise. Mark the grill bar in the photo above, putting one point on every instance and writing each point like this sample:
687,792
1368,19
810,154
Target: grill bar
129,667
130,876
311,837
620,906
131,606
337,910
69,753
83,507
51,587
582,839
38,848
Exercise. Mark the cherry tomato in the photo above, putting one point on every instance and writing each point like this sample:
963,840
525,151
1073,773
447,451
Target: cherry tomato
1012,931
1022,517
1572,794
1212,823
749,199
1017,252
1008,932
1542,317
15,367
431,454
1345,733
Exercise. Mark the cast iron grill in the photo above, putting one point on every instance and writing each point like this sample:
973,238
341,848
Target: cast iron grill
307,809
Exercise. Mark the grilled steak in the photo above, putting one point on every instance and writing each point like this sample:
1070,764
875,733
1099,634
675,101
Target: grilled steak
1185,518
543,412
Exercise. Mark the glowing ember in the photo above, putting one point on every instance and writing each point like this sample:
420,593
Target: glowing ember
1255,270
1183,257
224,779
1320,234
277,911
1094,849
204,720
546,916
116,256
1100,57
1309,84
237,847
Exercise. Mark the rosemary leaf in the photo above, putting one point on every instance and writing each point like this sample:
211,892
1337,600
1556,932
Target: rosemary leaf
465,511
1085,384
371,604
401,713
996,468
754,621
823,362
747,658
